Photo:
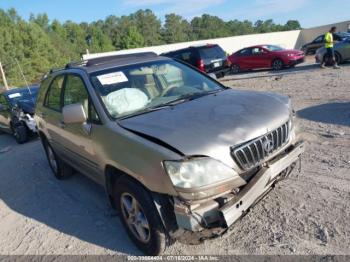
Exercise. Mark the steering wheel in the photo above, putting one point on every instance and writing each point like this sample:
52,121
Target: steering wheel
169,90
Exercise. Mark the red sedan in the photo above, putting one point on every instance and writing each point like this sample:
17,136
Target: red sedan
264,56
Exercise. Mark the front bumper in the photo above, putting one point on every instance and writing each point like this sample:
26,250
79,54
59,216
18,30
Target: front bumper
296,61
212,215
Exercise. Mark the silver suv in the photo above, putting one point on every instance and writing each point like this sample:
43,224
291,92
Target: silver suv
181,156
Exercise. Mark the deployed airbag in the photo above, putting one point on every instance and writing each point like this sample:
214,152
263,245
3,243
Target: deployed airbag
125,100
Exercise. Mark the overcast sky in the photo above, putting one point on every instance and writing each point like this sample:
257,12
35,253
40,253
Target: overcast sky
308,12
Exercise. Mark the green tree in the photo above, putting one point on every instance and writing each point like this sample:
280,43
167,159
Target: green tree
132,39
176,29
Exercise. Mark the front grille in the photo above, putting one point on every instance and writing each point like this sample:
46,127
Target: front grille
255,152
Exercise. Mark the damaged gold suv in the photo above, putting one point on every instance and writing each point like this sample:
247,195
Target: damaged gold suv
181,156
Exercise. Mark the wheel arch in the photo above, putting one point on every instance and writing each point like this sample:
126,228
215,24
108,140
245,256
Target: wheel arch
162,202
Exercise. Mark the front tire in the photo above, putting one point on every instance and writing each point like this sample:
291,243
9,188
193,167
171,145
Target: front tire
140,217
235,69
277,64
60,169
20,133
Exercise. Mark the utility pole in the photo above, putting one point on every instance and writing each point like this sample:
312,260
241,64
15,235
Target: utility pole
3,77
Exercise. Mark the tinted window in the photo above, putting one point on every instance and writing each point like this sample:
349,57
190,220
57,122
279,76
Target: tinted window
245,52
319,39
184,56
53,97
210,52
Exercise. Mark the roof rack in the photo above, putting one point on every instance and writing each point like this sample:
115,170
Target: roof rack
75,64
105,59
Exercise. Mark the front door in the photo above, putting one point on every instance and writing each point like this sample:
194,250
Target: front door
76,138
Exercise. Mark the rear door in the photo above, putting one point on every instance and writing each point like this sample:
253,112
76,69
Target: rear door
214,58
5,115
244,58
51,113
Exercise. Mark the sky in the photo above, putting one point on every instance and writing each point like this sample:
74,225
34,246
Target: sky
308,12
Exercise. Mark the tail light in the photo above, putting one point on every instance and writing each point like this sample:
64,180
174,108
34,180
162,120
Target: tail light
200,65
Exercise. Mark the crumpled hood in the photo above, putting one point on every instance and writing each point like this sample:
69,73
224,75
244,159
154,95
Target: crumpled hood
28,106
210,125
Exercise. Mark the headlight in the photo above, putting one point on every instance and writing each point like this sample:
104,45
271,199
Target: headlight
198,172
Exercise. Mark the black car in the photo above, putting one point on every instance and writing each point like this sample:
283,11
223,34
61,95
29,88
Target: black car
17,112
310,48
210,58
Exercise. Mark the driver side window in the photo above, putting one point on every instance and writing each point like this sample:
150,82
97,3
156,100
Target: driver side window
75,92
3,101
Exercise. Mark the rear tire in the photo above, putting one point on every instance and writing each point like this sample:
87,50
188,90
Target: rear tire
140,218
277,64
20,133
60,169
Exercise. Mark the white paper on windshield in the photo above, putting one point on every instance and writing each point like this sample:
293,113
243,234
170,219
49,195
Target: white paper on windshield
14,95
112,78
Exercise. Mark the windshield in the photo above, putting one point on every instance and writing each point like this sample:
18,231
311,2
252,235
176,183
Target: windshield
273,47
211,52
23,95
130,90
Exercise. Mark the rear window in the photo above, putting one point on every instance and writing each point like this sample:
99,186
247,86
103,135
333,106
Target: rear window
209,52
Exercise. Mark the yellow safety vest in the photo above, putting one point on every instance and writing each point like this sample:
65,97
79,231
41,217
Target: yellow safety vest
329,40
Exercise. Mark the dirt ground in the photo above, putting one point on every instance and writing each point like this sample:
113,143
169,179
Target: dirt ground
306,214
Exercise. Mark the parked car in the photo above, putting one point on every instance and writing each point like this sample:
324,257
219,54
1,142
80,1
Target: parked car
341,52
181,156
17,112
264,56
310,48
210,58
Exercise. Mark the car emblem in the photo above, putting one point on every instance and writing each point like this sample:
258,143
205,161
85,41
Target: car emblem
268,145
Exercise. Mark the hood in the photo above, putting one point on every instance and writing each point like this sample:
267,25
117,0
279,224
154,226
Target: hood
210,125
27,106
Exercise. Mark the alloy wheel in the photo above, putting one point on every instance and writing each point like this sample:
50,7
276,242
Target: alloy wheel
277,64
135,217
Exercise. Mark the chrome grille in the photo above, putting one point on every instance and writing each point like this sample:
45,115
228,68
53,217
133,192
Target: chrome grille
255,152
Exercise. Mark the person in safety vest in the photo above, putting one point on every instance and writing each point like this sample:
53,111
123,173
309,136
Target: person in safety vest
329,44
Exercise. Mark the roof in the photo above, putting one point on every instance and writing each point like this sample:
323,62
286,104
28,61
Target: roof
103,63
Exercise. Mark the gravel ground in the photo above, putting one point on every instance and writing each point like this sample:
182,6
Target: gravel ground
306,214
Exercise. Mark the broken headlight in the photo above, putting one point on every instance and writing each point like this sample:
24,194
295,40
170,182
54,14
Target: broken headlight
198,172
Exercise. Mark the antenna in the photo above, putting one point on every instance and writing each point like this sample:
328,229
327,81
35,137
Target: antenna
25,80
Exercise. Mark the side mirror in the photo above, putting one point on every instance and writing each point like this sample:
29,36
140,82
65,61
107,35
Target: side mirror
74,114
212,75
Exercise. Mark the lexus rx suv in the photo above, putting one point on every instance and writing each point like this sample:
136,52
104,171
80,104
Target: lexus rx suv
180,156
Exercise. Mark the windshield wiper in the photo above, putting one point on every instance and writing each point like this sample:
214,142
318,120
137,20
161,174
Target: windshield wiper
189,97
179,100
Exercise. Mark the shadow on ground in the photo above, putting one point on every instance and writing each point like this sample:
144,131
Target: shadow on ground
337,113
77,207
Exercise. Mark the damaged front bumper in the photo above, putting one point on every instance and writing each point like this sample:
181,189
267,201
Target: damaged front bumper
214,217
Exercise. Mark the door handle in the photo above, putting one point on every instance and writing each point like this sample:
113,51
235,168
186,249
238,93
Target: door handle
62,125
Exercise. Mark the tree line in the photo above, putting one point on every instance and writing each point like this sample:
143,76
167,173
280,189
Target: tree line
39,44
